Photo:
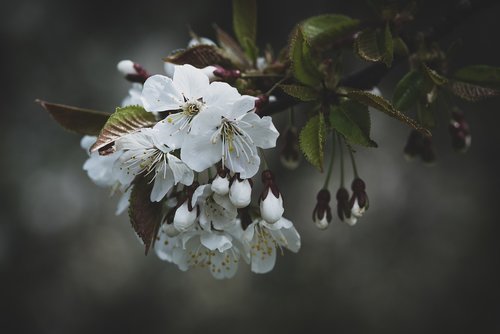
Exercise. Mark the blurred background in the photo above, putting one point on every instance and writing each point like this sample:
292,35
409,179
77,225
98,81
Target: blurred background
423,259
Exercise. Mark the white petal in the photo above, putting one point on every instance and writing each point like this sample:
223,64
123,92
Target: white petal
126,67
263,258
86,142
160,94
123,202
293,239
221,95
164,181
199,152
190,81
322,223
169,69
242,106
134,96
224,265
182,173
261,130
271,208
169,133
200,41
201,193
247,167
216,241
183,218
240,193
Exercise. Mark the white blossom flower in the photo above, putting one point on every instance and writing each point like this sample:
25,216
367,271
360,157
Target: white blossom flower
216,211
144,152
189,93
230,135
263,239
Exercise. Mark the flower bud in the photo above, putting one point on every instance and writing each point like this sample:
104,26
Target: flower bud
428,155
200,41
343,207
322,213
184,218
133,72
240,192
359,199
290,154
220,185
459,131
225,74
414,145
270,200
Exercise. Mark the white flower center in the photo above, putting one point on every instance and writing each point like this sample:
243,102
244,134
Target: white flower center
234,140
151,159
189,110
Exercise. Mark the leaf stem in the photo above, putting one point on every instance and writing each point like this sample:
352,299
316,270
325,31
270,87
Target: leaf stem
279,82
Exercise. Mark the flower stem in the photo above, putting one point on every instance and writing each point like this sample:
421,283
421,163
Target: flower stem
291,117
263,159
341,161
279,82
353,162
330,166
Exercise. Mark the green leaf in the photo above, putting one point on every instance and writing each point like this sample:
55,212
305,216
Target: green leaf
302,93
400,47
482,75
471,92
312,140
408,90
385,106
434,76
375,46
200,56
245,24
328,28
352,120
232,49
122,122
388,56
145,216
426,115
74,119
303,66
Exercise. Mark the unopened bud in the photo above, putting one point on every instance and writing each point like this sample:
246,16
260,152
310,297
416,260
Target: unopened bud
322,213
133,72
290,154
270,200
359,199
343,207
220,185
240,192
460,132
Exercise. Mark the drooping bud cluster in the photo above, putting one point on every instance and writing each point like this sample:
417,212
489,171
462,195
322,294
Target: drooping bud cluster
419,145
459,131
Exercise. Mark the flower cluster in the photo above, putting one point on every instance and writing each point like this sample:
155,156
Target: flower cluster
200,157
